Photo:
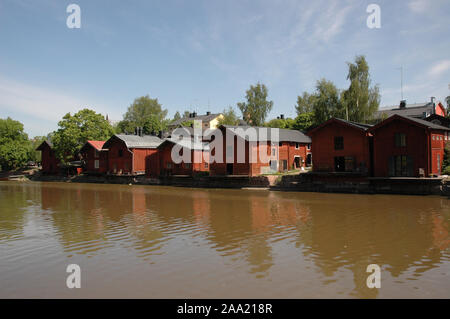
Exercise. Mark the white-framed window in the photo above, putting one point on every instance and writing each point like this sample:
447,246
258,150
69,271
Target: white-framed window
297,145
308,146
96,164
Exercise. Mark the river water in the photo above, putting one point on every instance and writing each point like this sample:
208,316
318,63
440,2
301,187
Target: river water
168,242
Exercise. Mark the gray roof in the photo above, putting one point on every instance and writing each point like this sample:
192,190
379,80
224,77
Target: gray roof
413,110
136,141
362,126
425,123
263,134
188,143
204,118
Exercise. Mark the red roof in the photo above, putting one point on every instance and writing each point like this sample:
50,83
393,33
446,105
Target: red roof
97,144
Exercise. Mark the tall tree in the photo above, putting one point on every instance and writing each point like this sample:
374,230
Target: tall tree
14,144
255,110
360,100
305,103
176,116
75,130
229,117
141,111
447,100
326,102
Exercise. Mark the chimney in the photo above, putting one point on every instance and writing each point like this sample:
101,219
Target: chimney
278,117
403,104
208,113
160,133
190,115
432,99
136,131
282,116
194,114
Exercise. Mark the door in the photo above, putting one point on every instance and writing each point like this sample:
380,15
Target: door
339,164
229,169
297,162
439,164
285,165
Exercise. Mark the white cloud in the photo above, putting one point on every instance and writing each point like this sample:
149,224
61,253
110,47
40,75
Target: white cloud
439,68
42,103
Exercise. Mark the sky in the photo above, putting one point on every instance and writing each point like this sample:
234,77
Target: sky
203,55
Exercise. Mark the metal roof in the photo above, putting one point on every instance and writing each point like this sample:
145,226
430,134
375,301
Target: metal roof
414,110
136,141
263,134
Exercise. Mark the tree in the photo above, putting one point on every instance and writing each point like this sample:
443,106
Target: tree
177,116
304,121
287,123
447,100
14,144
34,155
360,100
153,125
326,102
75,130
255,110
229,117
142,111
305,103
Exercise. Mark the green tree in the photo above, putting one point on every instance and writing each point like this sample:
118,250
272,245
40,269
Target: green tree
142,111
255,110
304,121
14,144
229,117
177,116
447,100
75,130
305,103
153,124
34,155
287,123
360,100
326,102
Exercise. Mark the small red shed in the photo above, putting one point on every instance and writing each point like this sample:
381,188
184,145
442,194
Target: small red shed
341,146
407,146
132,154
94,157
50,164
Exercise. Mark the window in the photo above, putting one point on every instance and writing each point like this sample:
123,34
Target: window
280,144
308,146
274,151
206,165
97,153
401,165
187,165
338,142
400,139
96,164
434,137
120,153
297,145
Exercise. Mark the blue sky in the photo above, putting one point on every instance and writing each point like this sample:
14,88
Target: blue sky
191,54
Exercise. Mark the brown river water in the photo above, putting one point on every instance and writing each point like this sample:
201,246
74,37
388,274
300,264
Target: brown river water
168,242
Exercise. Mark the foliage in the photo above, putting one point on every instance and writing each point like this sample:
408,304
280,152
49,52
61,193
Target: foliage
14,144
447,100
144,112
326,102
287,123
176,116
75,130
34,155
304,121
446,160
305,103
188,123
360,100
229,117
255,110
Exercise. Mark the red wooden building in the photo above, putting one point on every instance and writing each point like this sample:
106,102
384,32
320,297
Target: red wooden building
282,151
406,146
133,154
94,157
50,164
198,157
341,146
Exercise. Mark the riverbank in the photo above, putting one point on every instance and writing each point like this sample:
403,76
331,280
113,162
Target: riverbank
303,182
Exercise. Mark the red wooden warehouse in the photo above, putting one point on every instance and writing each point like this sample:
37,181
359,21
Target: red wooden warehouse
94,157
286,150
133,154
196,151
406,146
50,164
341,146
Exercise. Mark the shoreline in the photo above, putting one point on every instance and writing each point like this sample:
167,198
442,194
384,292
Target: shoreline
303,182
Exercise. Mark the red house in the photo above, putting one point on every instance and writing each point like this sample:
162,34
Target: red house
341,146
50,164
406,146
133,154
94,157
198,157
285,150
